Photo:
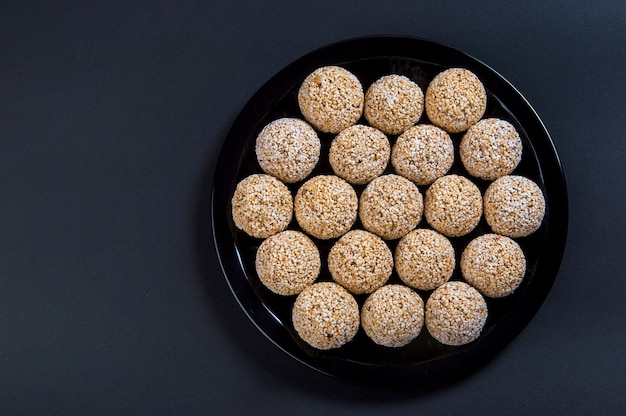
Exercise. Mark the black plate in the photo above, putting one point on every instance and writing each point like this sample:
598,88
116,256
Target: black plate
424,359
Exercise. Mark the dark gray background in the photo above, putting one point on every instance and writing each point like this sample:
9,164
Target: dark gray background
112,115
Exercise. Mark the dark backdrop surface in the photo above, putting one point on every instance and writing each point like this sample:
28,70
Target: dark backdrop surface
112,115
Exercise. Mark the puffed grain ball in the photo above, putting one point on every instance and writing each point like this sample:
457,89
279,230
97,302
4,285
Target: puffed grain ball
326,206
490,149
455,313
360,261
423,153
453,205
359,154
261,205
493,264
325,315
288,148
331,99
455,100
424,259
390,206
393,103
393,316
287,262
514,206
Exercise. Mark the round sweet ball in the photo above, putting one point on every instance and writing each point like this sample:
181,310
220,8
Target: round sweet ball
455,100
422,154
325,315
360,261
287,262
455,313
493,264
453,205
424,259
261,206
490,149
514,206
326,206
393,103
393,316
288,148
390,206
331,99
359,154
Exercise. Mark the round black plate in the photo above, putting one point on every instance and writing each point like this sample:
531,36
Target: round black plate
424,359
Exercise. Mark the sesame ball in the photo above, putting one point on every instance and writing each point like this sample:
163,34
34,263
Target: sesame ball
422,154
359,154
390,206
360,261
424,259
490,149
514,206
453,205
325,315
393,104
331,99
287,262
393,316
288,148
455,100
261,206
455,313
326,206
493,264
